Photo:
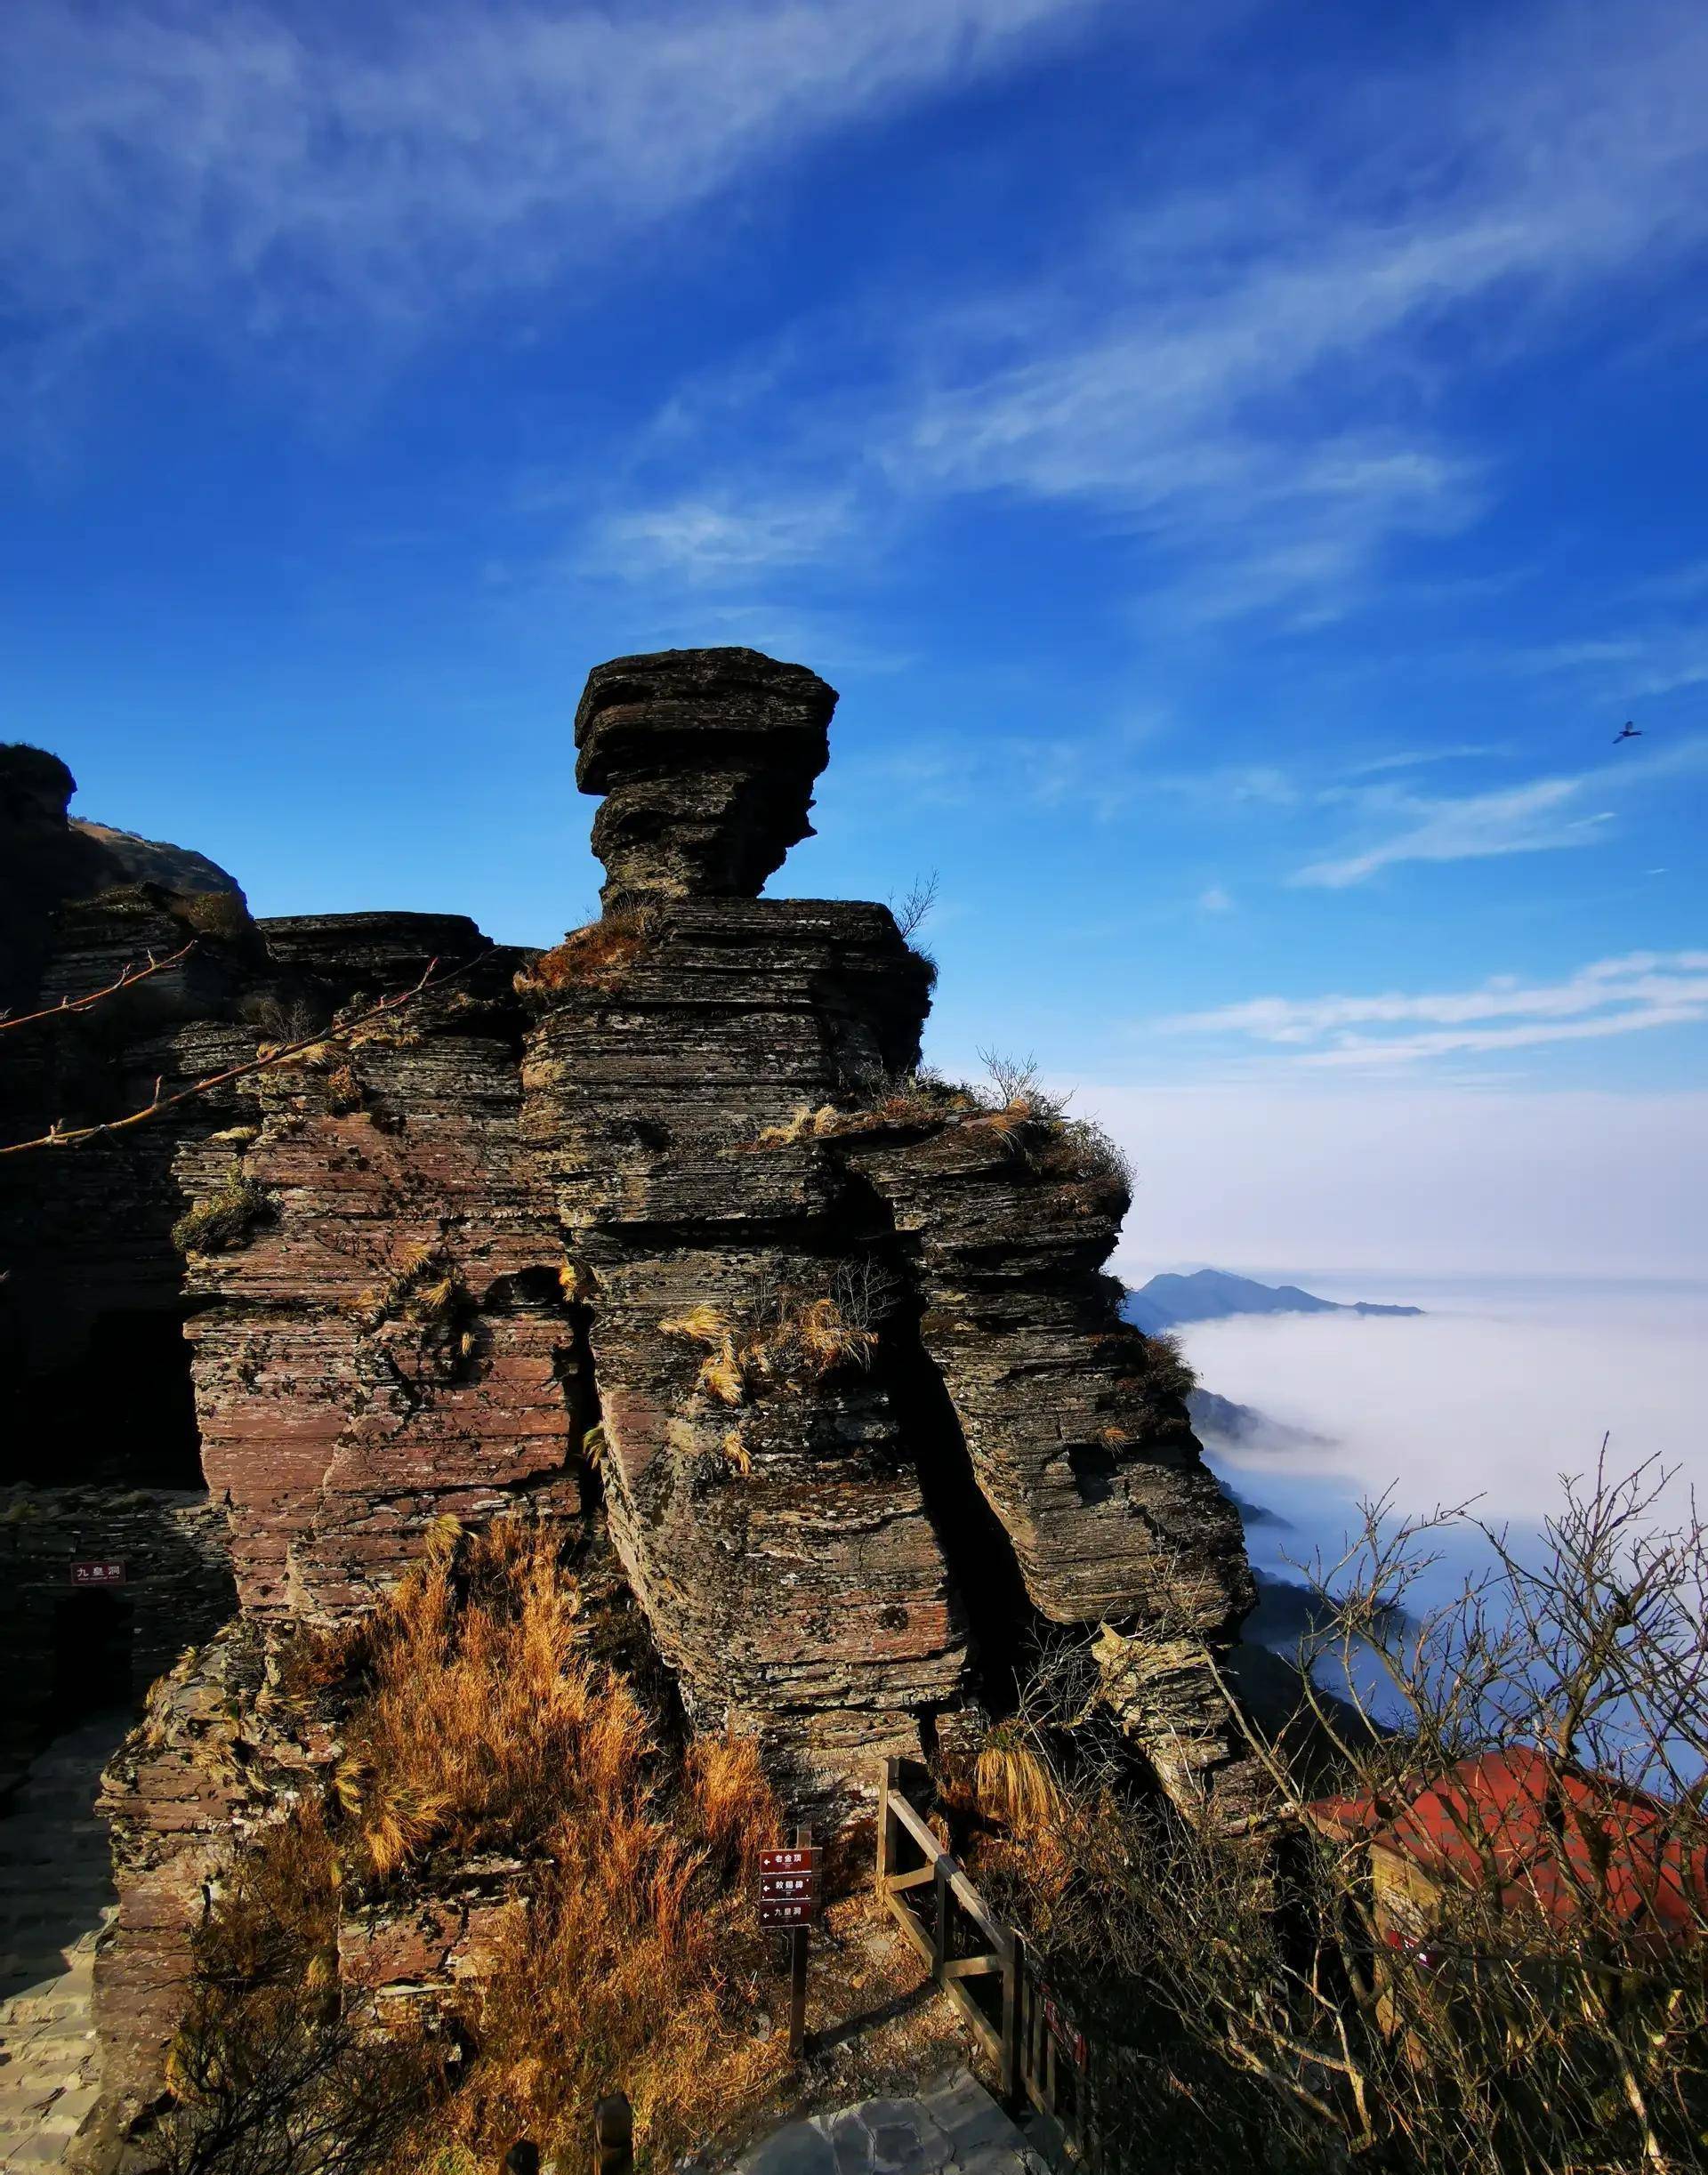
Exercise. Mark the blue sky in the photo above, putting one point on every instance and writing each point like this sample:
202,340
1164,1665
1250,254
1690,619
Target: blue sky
1241,464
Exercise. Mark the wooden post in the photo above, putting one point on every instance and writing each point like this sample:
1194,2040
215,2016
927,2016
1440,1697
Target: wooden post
1012,1959
613,2135
891,1780
940,1915
798,1969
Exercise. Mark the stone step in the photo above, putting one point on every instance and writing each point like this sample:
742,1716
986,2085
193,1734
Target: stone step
56,1896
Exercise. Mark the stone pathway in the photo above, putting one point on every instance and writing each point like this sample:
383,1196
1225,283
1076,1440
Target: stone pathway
954,2125
56,1895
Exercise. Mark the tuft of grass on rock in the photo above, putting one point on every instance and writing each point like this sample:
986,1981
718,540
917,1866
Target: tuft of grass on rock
785,1338
221,915
592,958
223,1219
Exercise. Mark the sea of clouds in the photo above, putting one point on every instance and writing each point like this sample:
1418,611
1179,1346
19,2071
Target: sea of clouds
1497,1391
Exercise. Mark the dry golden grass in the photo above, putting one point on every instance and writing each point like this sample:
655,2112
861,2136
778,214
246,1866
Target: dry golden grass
1017,1786
826,1338
426,1286
592,958
705,1323
490,1725
479,1714
785,1338
801,1125
890,1099
1008,1118
727,1374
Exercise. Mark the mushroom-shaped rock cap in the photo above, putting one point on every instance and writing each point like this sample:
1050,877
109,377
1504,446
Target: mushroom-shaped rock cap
707,759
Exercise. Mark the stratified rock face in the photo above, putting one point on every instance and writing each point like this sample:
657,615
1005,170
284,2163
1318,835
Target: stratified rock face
1091,1466
94,1375
841,1554
772,1516
390,1342
706,760
48,858
218,1758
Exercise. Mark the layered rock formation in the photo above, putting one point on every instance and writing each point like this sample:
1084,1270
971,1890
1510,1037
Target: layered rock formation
705,759
390,1341
766,1498
839,1543
662,1228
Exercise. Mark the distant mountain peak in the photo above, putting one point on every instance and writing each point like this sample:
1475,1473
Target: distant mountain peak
1169,1301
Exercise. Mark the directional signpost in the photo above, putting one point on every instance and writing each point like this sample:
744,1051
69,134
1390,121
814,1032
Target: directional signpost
788,1897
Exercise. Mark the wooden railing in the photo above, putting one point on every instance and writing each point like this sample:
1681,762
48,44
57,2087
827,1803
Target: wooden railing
983,1966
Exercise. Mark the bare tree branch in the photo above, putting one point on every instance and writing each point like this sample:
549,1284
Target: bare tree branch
59,1135
128,980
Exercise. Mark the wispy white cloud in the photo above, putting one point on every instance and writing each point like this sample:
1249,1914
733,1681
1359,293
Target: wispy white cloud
1655,659
706,540
270,168
1538,816
1412,759
1240,375
1608,998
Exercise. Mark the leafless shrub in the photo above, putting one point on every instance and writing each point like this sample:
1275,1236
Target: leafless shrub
1487,1950
279,1018
914,905
268,2073
1017,1092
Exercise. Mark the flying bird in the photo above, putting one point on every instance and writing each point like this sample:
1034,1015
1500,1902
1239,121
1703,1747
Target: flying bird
1630,732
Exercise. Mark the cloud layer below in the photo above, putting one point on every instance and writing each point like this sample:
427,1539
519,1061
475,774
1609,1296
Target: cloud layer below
1487,1398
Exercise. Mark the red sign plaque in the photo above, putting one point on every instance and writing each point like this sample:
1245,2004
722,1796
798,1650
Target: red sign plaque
799,1857
108,1573
788,1887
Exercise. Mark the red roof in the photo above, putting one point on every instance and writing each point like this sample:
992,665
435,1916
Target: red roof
1549,1840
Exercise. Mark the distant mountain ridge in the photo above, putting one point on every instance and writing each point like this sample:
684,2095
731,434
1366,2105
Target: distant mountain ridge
1214,1295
